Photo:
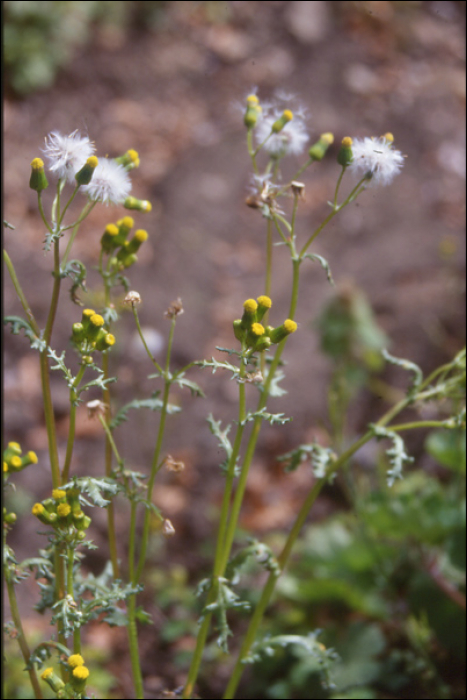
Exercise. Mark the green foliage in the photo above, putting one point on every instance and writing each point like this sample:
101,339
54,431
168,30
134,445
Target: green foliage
153,404
380,576
42,37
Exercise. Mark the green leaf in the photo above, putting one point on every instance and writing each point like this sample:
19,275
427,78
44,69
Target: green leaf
396,454
324,264
448,447
153,404
20,324
407,365
270,417
75,270
94,488
215,365
192,386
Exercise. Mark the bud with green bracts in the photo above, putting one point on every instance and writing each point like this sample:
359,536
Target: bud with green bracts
38,180
105,341
138,239
249,313
84,176
278,334
318,150
345,155
279,124
238,329
109,238
264,304
78,333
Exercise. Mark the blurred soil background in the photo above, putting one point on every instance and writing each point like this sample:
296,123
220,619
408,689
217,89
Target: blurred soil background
169,79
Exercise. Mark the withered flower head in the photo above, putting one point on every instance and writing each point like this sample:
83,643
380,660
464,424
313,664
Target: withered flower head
175,309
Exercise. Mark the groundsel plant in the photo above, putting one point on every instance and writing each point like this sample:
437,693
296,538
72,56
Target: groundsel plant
254,361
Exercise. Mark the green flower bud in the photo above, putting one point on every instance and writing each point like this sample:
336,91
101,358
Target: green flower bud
281,332
124,227
109,238
318,149
38,180
52,680
138,239
95,324
279,124
345,156
129,160
85,316
238,329
249,313
84,176
77,333
263,343
264,304
253,111
105,341
138,204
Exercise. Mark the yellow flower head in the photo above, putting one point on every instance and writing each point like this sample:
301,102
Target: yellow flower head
63,510
80,673
250,306
75,660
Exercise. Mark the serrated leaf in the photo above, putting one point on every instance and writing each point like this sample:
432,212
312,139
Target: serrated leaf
275,389
221,435
20,324
270,417
215,365
407,365
324,264
153,404
192,386
75,270
320,457
93,488
396,454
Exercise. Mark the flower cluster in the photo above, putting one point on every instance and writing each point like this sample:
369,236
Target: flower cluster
63,511
90,333
115,241
78,677
282,132
13,461
71,158
250,331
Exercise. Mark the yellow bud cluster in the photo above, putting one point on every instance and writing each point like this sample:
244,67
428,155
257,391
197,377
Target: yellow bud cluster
252,333
63,510
13,461
90,334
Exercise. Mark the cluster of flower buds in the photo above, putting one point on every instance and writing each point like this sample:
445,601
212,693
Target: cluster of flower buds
90,334
79,675
63,512
115,242
13,461
253,111
250,330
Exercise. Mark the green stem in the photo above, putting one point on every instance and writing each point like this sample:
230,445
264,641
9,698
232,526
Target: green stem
71,429
291,539
156,463
112,535
136,575
20,293
134,653
86,210
20,636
